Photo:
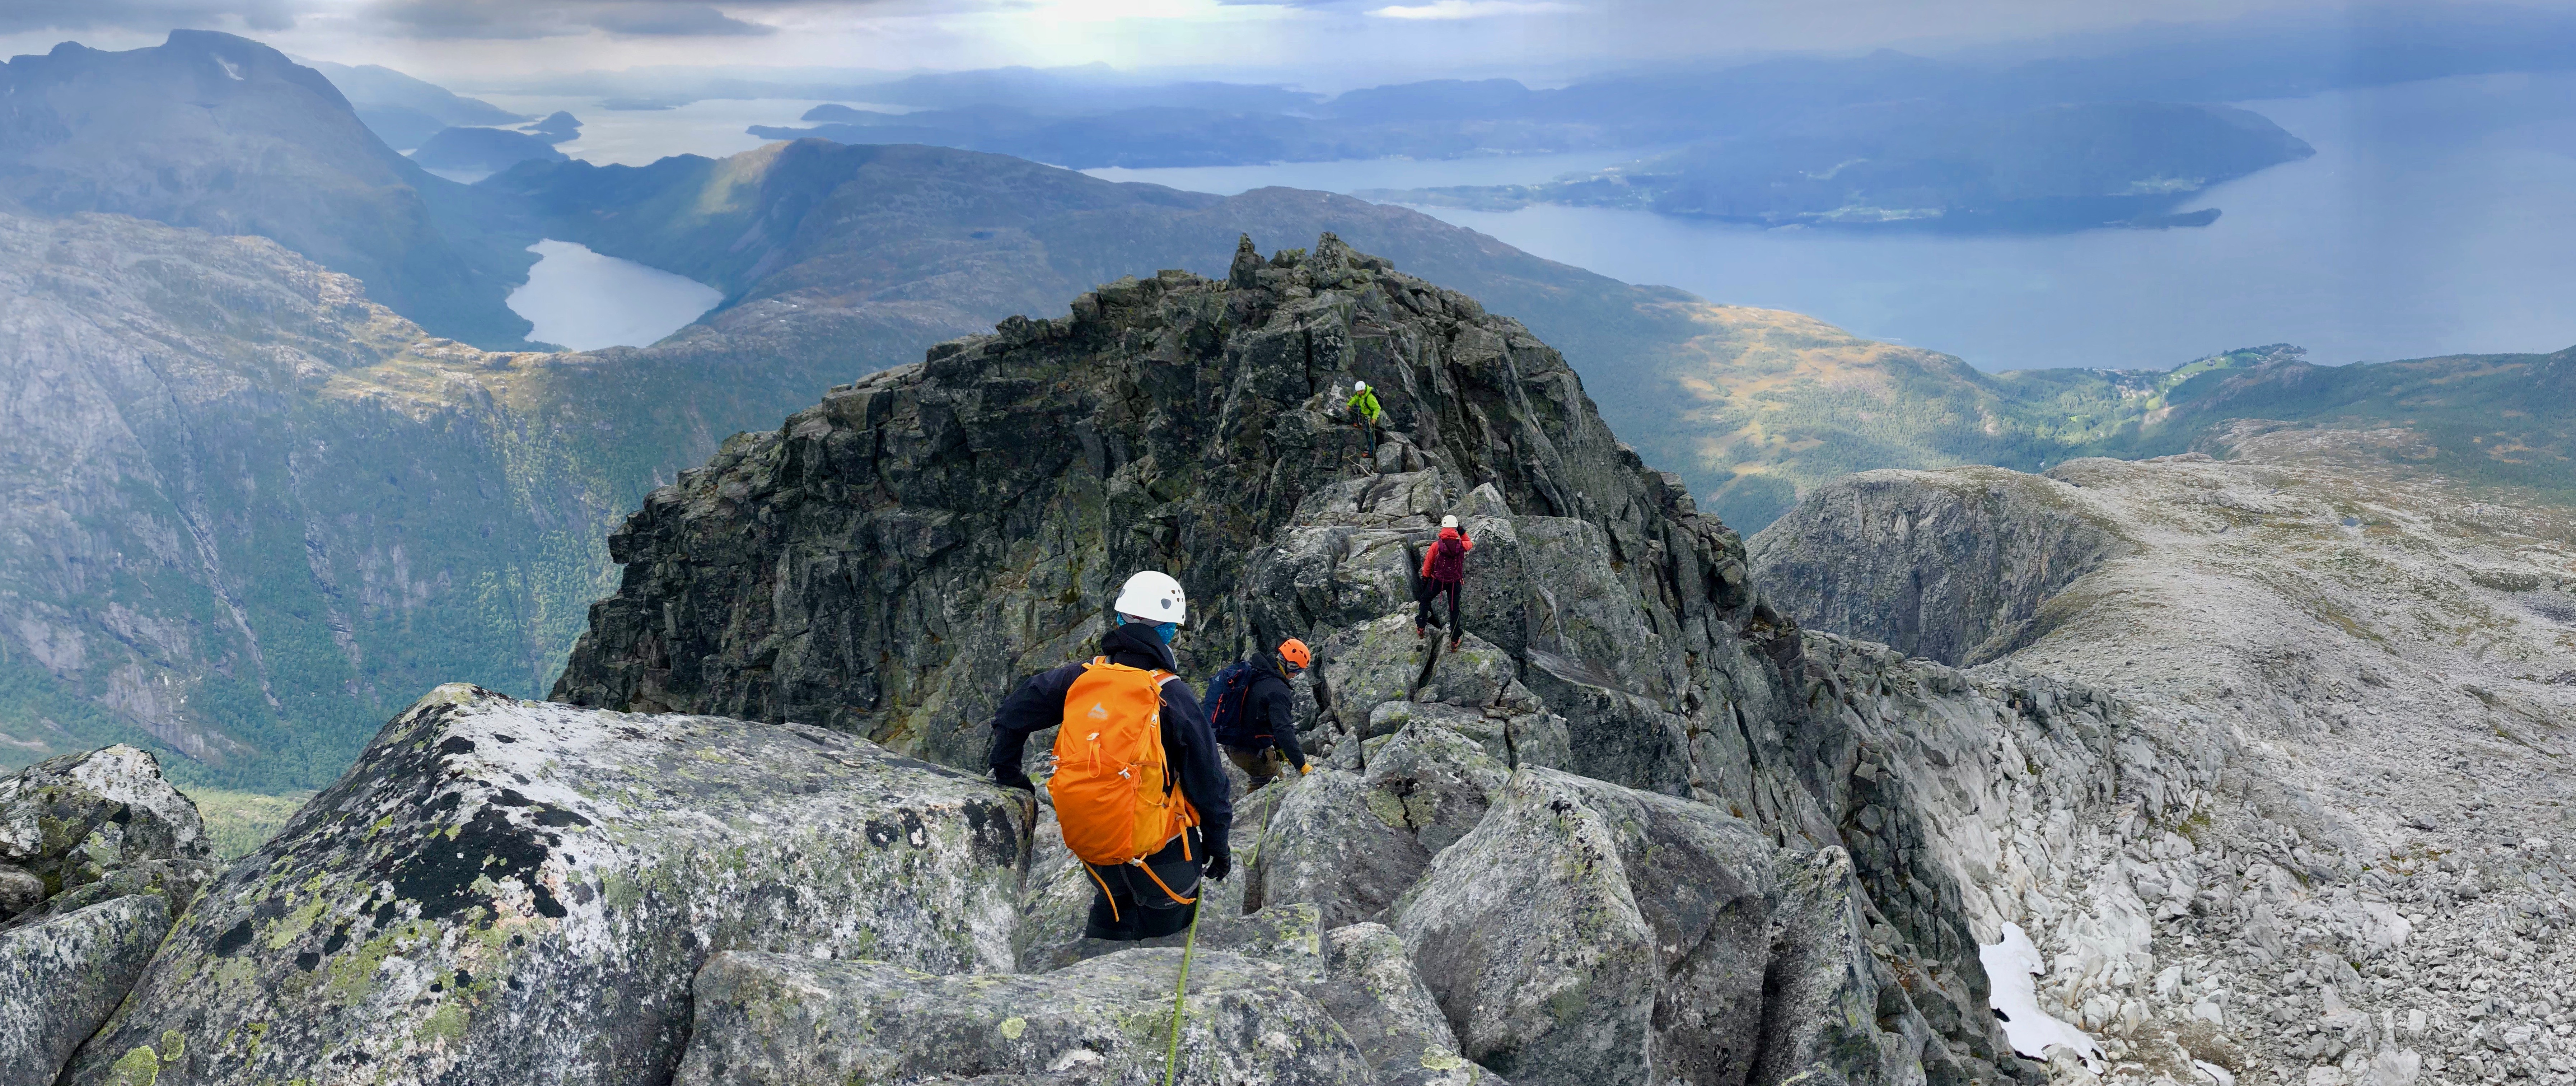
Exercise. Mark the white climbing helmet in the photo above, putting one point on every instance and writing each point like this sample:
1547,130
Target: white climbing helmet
1449,522
1153,598
1359,387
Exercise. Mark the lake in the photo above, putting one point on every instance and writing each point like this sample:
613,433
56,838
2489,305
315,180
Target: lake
585,301
2435,218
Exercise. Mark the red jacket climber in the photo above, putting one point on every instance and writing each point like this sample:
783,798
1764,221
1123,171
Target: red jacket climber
1444,569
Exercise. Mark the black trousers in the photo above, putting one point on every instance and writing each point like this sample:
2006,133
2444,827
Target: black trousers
1133,907
1431,591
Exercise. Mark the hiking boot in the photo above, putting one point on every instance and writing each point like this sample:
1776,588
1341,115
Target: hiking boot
1418,633
1453,642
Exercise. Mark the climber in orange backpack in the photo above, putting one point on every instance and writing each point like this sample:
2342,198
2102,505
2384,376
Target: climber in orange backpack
1444,569
1137,788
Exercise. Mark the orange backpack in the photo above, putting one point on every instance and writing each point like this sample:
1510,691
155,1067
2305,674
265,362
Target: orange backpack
1113,789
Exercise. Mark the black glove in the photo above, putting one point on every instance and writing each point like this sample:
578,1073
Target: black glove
1012,778
1219,866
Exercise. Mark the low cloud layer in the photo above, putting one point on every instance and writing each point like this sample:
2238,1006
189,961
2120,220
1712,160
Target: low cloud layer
74,15
519,19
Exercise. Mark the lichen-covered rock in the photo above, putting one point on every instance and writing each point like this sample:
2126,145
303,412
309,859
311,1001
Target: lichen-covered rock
1369,664
786,1020
20,890
1595,934
1370,987
104,822
1437,782
1835,1013
1352,842
520,891
1339,843
62,976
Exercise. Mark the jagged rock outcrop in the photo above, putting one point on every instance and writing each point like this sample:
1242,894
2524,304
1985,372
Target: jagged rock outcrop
892,561
505,890
933,532
86,828
1947,565
63,975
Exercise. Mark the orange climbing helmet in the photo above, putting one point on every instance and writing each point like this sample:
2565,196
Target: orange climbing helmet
1296,653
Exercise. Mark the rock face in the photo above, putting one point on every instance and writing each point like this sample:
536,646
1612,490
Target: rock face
892,561
504,889
60,977
88,828
1947,565
2252,807
1590,933
1184,424
777,1019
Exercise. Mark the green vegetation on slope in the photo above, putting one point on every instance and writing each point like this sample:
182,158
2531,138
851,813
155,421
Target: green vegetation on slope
1778,403
240,822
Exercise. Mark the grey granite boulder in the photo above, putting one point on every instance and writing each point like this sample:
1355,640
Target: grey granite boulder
62,976
1587,933
1369,664
1836,1012
519,891
95,826
789,1020
1371,989
1352,843
1336,842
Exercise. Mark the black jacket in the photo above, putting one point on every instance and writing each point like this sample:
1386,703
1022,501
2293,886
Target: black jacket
1272,710
1191,748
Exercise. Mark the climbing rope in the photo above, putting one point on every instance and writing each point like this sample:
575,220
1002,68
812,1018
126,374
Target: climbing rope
1172,1056
1190,946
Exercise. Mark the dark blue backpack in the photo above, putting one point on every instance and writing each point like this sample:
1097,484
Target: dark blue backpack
1224,704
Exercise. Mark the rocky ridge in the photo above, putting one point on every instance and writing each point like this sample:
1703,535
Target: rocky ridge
890,561
2284,782
1723,849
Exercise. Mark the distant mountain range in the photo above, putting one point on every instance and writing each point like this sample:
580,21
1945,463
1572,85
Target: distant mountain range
214,131
405,111
2109,130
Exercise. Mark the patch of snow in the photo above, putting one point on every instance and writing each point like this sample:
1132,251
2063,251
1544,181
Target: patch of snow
2013,968
2214,1073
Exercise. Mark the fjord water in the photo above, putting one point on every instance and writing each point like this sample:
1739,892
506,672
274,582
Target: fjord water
2435,218
583,300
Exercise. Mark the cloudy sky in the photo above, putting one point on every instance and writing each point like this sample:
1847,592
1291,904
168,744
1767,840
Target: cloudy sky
1316,42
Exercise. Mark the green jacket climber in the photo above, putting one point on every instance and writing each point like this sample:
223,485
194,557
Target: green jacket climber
1364,404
